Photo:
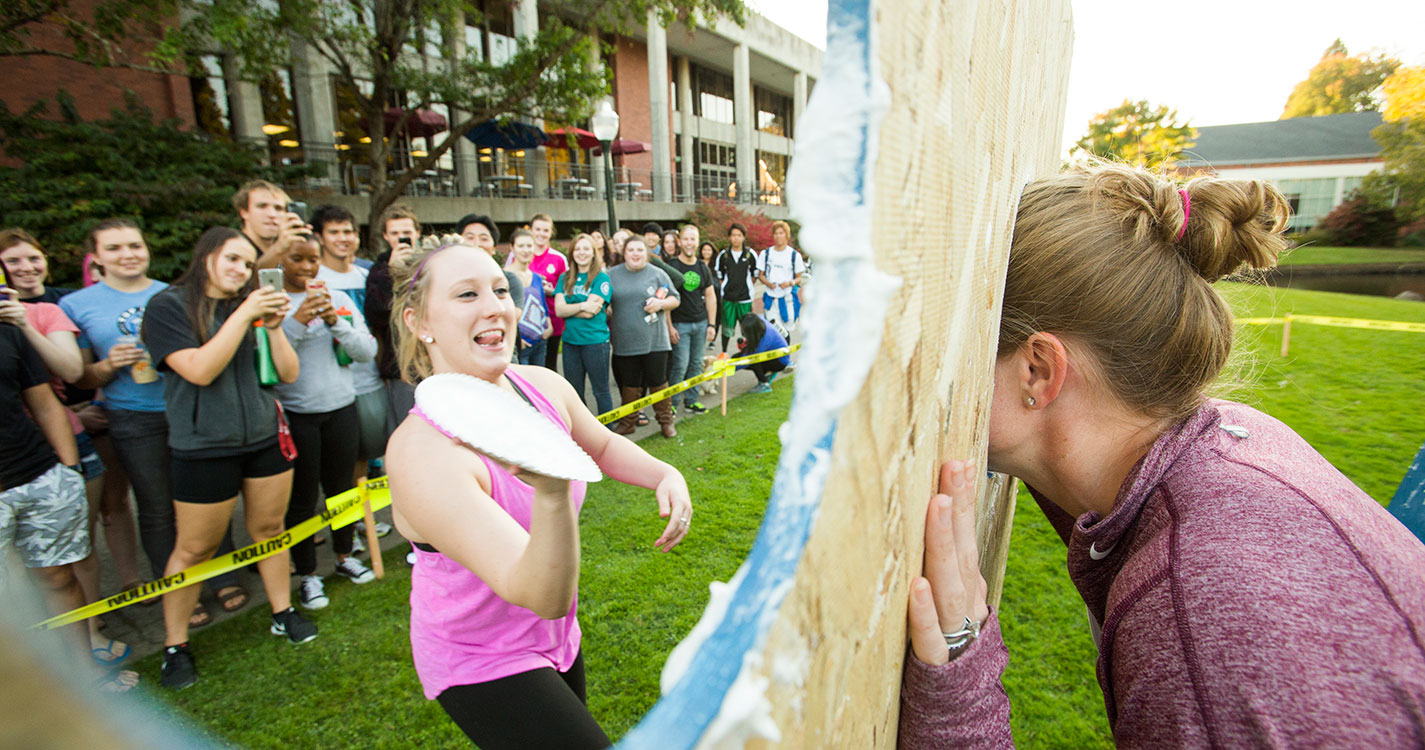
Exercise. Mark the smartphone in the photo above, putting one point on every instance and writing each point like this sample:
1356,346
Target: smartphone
299,208
270,278
317,286
407,241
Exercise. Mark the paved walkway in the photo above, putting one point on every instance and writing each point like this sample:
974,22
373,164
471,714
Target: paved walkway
142,626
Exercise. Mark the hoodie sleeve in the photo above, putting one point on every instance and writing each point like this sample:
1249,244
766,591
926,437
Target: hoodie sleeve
961,704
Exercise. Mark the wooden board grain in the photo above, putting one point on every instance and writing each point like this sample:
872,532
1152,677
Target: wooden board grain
976,111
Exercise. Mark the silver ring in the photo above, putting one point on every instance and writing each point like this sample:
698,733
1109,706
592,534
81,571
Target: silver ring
687,521
968,631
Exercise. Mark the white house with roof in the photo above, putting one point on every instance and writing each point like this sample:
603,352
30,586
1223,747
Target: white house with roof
1315,161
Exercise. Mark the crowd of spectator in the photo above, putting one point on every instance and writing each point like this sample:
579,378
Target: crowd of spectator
267,371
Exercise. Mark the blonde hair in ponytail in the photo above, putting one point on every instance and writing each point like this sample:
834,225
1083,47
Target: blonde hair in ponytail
1097,259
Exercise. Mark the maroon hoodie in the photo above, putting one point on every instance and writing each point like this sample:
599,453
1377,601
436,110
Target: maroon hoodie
1249,595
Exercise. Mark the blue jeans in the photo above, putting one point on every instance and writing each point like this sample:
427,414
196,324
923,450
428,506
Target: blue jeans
591,360
688,358
533,354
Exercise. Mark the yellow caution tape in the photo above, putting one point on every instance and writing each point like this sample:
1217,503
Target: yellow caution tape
341,510
1326,320
718,369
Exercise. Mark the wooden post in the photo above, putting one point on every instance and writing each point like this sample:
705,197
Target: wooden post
373,542
722,362
1286,334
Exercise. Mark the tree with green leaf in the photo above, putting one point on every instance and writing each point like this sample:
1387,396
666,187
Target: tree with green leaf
72,173
371,45
1340,83
1137,133
1401,180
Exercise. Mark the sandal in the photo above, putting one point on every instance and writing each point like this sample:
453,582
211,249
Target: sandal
200,617
642,419
149,602
118,681
232,598
108,655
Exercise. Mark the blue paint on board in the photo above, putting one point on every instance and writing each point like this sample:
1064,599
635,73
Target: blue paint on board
1408,504
682,716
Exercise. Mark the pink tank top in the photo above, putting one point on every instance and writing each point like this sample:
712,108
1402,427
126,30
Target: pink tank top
462,632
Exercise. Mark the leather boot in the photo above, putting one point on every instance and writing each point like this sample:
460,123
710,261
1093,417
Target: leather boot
663,410
629,424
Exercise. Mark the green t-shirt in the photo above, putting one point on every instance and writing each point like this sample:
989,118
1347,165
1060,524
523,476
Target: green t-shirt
579,330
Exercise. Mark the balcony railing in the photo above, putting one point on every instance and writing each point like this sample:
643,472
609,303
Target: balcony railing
526,178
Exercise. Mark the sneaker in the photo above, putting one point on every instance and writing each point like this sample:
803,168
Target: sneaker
762,388
697,408
358,544
310,593
291,623
772,377
353,569
382,528
791,367
179,669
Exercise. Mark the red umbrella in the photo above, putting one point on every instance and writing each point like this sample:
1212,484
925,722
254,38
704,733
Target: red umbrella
422,123
625,146
582,138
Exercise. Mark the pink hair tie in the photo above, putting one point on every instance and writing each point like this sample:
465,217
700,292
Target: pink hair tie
1187,211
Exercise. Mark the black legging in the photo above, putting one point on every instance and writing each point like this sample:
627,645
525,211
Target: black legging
551,353
536,709
326,453
763,369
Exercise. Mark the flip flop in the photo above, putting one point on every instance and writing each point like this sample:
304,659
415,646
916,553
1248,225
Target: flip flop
200,617
230,594
118,681
149,602
107,657
642,419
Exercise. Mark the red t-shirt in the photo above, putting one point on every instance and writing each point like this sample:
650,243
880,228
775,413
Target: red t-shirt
47,318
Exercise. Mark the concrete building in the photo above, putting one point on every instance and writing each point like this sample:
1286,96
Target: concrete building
1315,161
707,112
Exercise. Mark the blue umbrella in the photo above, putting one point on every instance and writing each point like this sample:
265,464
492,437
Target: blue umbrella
505,134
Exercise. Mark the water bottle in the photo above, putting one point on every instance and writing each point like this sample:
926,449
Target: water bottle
342,358
266,368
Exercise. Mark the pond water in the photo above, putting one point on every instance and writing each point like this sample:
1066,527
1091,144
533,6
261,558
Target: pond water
1376,284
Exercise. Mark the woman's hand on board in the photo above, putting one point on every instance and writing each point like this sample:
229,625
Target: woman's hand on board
952,588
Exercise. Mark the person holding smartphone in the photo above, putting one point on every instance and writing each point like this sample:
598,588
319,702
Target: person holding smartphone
109,315
402,233
323,325
223,427
268,223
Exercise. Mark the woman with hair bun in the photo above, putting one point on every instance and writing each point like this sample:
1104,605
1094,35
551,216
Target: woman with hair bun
1241,591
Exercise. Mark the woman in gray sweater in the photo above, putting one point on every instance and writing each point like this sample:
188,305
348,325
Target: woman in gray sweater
1242,592
329,333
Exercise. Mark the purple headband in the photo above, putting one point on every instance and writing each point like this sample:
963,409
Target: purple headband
421,267
1187,211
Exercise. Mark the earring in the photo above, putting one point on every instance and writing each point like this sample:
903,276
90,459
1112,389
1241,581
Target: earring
1029,401
428,339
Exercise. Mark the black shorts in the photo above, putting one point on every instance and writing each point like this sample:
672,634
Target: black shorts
641,370
213,480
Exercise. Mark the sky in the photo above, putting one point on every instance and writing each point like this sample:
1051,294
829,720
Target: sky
1216,62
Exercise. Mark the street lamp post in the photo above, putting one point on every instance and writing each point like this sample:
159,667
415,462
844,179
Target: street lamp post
605,123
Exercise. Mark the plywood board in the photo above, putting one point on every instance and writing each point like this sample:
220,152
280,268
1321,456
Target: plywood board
928,121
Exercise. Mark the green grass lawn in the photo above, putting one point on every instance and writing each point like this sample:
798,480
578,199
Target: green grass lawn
355,687
1314,255
1352,393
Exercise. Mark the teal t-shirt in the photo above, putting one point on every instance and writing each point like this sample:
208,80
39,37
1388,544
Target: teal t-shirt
585,331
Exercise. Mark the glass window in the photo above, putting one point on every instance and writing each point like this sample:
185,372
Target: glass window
771,176
712,94
353,140
774,112
211,108
474,42
279,118
1311,199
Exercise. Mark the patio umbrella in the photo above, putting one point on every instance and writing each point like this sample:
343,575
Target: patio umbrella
625,146
423,123
582,138
510,134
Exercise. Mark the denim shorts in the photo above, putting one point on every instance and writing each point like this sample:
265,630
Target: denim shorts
89,461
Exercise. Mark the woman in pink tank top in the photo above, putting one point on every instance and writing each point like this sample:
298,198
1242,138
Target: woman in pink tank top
494,634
